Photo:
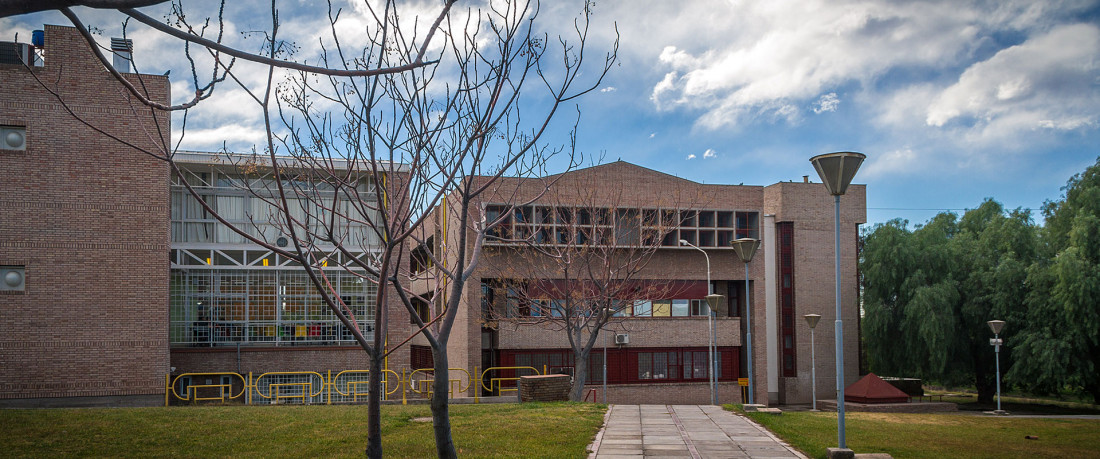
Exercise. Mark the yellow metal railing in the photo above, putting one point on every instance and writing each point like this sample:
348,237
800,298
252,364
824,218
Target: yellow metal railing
348,386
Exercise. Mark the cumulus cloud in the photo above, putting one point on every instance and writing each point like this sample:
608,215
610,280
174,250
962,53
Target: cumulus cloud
608,89
827,103
691,156
710,153
786,54
1047,82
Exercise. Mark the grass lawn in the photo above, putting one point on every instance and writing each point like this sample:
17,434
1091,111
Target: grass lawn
491,430
906,435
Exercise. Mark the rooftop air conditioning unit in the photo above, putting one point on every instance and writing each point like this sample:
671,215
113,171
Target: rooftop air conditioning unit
622,338
16,53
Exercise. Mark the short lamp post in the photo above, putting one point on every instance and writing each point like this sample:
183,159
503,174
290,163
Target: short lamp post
836,171
746,248
712,304
811,320
996,342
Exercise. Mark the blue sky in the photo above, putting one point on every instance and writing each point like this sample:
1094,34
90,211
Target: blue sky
952,101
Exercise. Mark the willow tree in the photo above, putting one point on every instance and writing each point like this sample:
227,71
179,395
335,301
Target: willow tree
929,292
1057,348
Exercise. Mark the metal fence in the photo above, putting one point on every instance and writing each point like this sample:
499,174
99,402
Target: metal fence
349,386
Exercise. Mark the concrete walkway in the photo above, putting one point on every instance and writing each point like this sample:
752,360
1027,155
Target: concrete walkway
697,431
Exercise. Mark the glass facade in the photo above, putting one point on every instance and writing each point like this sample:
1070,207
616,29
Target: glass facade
215,307
225,290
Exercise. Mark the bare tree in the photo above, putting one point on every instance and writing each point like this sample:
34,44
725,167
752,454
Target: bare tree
357,158
208,38
576,261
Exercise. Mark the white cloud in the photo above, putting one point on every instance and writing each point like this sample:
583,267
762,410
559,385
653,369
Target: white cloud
237,137
709,153
608,89
652,135
691,156
1048,81
827,103
744,62
895,162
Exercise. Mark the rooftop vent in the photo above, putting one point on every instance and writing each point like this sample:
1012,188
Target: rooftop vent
122,49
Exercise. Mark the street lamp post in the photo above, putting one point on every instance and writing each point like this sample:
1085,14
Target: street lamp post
836,171
712,304
746,248
811,320
996,326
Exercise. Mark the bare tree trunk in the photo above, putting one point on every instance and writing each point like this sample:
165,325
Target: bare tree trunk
580,376
374,408
441,418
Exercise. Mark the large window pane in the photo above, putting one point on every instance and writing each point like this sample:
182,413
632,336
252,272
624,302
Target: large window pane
226,307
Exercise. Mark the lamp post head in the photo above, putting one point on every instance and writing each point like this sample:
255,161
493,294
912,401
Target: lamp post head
712,301
996,326
746,248
684,242
837,169
811,319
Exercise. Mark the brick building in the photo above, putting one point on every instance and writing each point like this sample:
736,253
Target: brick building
85,222
114,276
663,338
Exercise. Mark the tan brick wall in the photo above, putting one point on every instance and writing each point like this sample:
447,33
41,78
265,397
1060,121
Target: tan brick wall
694,393
262,360
544,388
643,332
88,217
811,209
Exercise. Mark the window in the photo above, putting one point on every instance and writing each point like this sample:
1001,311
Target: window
503,228
423,308
260,216
662,308
215,307
785,234
421,357
629,365
681,308
421,257
748,224
487,299
699,307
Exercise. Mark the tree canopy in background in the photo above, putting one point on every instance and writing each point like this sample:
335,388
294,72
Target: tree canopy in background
928,293
1059,342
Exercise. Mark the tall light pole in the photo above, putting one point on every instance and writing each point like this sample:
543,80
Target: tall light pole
712,304
811,320
836,171
996,326
746,248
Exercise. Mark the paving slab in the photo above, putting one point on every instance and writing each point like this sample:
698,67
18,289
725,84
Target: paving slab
678,431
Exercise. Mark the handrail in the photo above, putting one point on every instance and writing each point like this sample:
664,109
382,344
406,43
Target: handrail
340,387
499,380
